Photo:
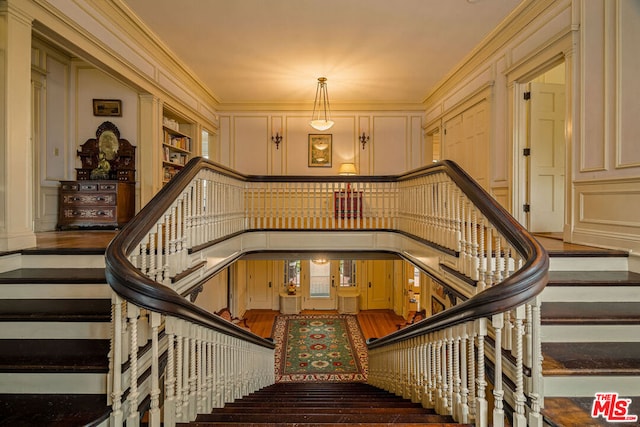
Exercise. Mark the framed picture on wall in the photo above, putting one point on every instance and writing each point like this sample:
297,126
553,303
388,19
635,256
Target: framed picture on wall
107,107
320,150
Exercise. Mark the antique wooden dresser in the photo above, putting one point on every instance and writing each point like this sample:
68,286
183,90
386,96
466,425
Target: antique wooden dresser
103,196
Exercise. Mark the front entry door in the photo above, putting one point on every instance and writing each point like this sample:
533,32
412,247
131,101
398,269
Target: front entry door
321,279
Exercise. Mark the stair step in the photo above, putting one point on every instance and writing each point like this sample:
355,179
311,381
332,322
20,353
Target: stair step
68,310
592,286
321,418
329,409
54,355
593,278
314,424
53,275
591,358
325,404
53,409
582,313
576,411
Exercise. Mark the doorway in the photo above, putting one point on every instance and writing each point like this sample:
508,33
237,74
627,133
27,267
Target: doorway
542,152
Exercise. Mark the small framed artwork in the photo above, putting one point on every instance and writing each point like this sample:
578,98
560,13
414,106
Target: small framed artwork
320,150
107,107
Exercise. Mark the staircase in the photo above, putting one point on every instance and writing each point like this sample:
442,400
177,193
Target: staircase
590,319
326,404
55,321
55,324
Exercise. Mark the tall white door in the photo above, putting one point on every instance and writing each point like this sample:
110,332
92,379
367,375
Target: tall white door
546,170
259,285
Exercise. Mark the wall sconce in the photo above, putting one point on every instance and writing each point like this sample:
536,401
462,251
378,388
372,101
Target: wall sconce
277,139
363,139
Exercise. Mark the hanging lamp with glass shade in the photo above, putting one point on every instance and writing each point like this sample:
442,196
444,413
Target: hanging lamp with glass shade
321,118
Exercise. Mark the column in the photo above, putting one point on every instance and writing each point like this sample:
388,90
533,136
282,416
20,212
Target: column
149,173
16,151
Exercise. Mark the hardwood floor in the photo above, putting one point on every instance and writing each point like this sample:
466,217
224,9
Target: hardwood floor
89,239
81,239
373,323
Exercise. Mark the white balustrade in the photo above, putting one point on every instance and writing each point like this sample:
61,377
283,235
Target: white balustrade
202,367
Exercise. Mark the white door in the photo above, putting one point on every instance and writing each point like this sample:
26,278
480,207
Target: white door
379,284
546,170
321,280
259,285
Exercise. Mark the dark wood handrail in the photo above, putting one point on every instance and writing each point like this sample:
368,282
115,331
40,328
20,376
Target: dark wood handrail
514,291
128,282
131,284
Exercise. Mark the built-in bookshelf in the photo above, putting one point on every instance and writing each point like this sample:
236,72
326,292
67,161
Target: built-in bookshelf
176,148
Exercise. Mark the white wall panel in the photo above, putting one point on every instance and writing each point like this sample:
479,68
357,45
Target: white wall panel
390,145
628,144
607,213
593,142
251,135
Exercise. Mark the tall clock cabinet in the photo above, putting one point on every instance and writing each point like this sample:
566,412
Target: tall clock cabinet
103,194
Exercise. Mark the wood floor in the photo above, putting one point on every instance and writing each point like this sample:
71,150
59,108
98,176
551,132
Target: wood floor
91,239
373,323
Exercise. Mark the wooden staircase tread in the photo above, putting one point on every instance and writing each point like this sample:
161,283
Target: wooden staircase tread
593,278
570,411
590,313
64,251
70,310
314,424
324,418
322,404
52,409
53,355
324,409
53,275
591,358
336,404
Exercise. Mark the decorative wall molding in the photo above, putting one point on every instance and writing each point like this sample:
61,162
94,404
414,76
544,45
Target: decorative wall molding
606,213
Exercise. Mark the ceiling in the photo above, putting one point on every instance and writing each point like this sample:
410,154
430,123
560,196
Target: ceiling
271,52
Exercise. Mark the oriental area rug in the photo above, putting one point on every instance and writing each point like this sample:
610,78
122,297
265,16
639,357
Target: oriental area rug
311,348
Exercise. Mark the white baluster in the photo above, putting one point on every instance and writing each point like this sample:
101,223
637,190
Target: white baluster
498,392
170,375
154,410
116,361
482,419
519,419
133,418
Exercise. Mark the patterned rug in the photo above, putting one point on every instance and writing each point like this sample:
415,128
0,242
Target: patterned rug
313,347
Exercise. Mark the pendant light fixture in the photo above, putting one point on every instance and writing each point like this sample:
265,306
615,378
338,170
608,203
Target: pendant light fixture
321,118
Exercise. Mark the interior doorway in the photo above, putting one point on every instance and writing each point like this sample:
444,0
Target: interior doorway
542,151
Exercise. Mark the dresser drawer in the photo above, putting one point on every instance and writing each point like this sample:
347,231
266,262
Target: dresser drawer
91,214
87,186
90,199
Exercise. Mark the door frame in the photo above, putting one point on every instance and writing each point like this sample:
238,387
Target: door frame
518,85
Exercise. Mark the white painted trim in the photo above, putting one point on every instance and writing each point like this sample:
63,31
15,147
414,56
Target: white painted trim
56,330
43,383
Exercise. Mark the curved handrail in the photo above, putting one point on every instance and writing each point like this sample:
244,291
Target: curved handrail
518,288
131,284
127,281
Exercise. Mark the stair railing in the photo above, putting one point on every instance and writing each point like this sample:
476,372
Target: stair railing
436,217
445,361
